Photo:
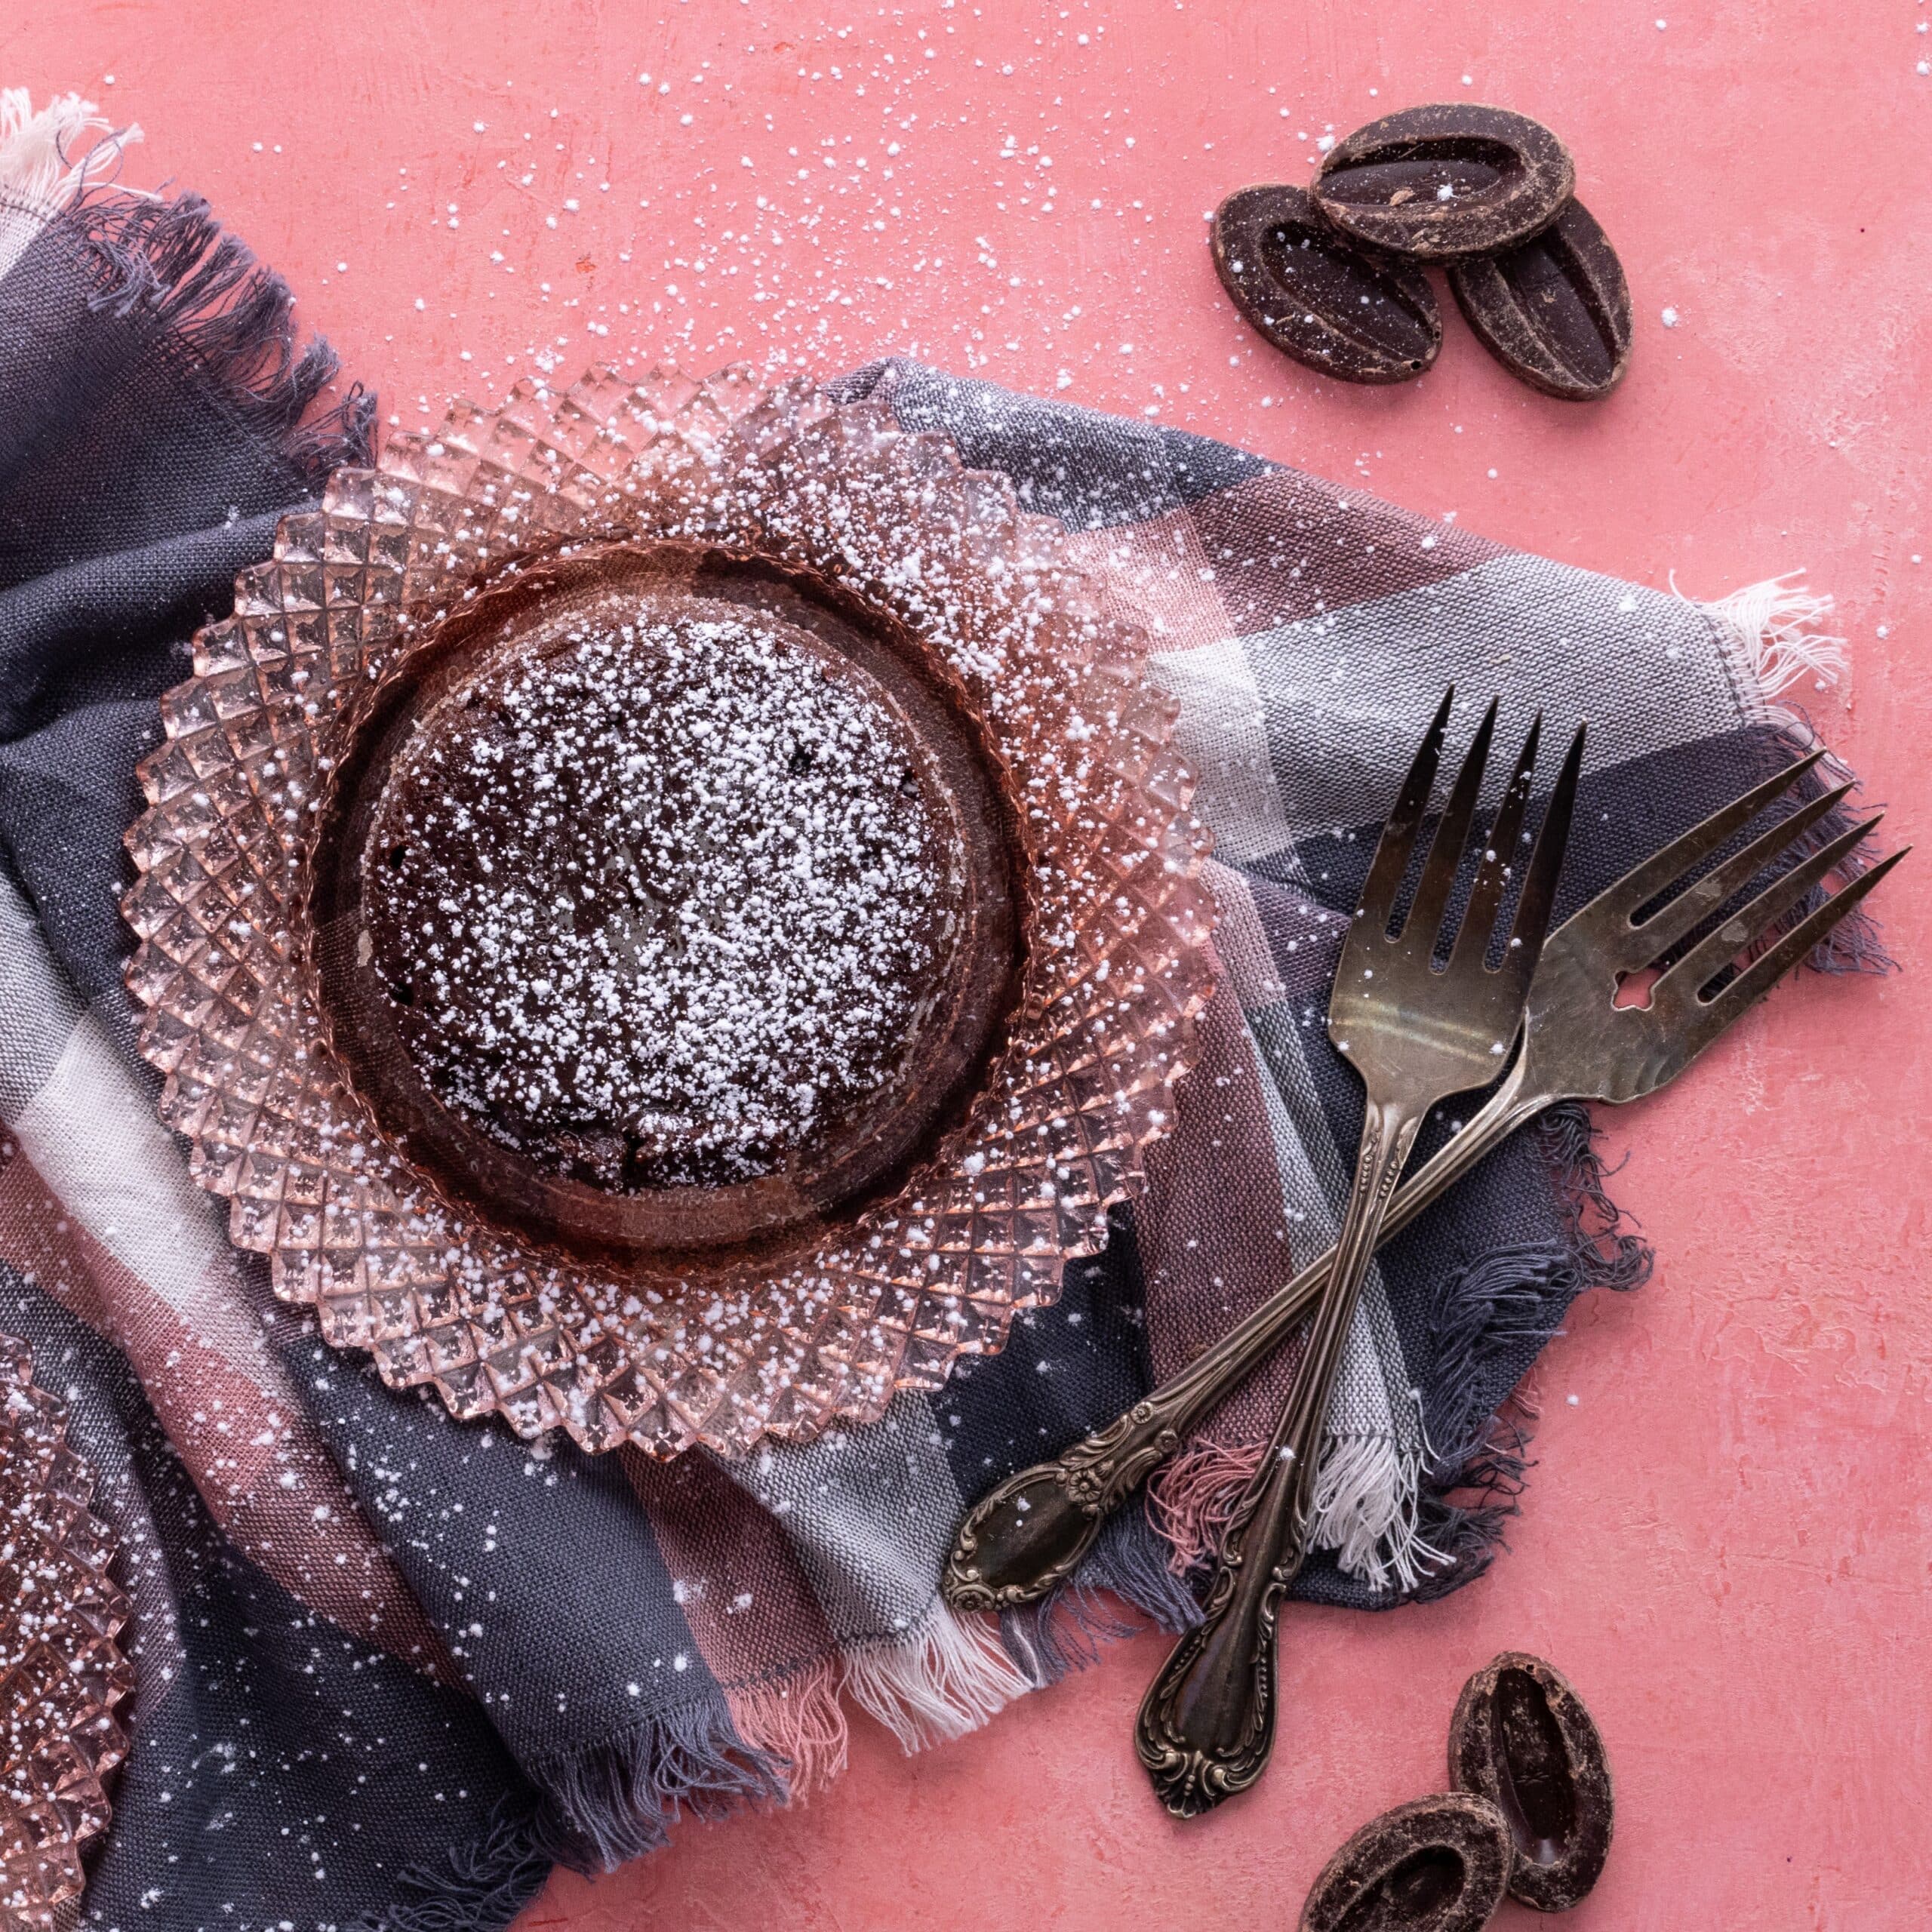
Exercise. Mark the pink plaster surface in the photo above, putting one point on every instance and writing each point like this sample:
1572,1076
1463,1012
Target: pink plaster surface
1727,1538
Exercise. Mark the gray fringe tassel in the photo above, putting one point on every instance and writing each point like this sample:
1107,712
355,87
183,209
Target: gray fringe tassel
481,1888
1064,1631
233,314
608,1806
599,1809
1488,1319
1131,1560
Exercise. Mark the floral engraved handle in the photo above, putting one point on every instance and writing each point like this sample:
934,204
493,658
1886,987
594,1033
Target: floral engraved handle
1207,1725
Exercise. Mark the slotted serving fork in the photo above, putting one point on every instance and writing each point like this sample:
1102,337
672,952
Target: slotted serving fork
1027,1536
1417,1030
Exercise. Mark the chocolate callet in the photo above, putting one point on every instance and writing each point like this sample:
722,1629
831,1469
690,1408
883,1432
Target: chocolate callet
1319,296
1555,311
1522,1738
1435,1865
1447,179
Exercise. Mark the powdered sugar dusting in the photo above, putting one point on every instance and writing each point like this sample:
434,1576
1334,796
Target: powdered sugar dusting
659,902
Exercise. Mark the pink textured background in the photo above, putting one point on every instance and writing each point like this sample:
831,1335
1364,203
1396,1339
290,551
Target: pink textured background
1727,1539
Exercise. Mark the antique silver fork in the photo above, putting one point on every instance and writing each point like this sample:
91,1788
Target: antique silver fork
1416,1030
1027,1536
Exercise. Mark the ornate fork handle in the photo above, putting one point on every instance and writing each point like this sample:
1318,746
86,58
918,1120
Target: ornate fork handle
1027,1536
1206,1724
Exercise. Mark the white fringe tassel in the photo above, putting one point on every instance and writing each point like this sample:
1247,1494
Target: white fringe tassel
938,1681
1367,1497
41,164
1774,628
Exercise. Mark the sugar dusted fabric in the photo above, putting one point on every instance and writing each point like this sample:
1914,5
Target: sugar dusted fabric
61,1671
389,1667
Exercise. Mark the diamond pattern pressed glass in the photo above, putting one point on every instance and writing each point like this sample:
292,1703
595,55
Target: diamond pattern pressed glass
1116,961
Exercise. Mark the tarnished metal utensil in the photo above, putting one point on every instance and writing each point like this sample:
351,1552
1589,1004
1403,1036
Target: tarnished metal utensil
1416,1030
1027,1536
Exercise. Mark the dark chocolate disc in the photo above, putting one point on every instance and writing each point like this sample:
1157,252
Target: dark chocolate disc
1435,1865
1320,296
1555,310
1521,1738
1447,179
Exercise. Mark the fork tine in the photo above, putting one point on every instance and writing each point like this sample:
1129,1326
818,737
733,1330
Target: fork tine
1707,1019
1500,860
1452,834
1711,955
1642,883
1678,920
1539,896
1399,832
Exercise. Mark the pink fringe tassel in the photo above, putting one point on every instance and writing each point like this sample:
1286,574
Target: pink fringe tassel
1191,1499
800,1721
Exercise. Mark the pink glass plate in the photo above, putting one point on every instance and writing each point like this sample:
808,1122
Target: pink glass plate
882,1293
61,1671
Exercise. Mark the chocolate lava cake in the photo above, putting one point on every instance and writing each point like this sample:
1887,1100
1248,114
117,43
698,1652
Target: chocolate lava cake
661,899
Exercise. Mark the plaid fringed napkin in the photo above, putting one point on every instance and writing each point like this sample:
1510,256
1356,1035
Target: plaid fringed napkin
391,1667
